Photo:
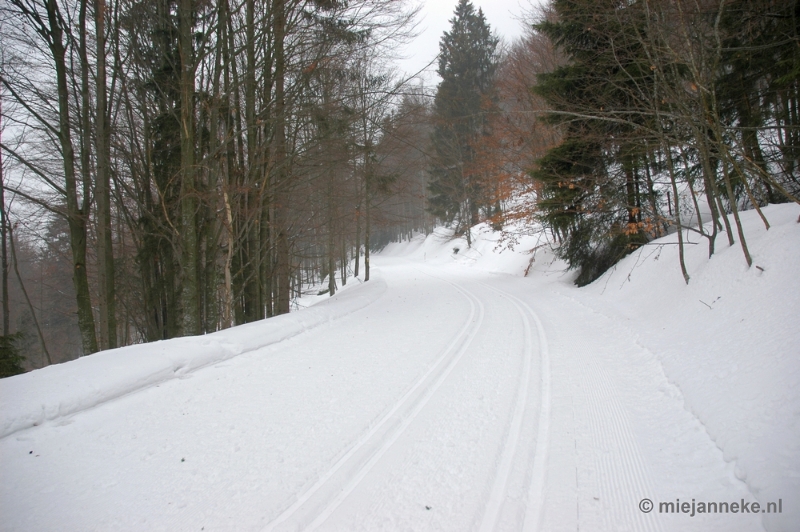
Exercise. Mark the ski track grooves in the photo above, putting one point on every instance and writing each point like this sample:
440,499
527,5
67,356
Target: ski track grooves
500,486
535,497
535,513
437,373
612,432
623,475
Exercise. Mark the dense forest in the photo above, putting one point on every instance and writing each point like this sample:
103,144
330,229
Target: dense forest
176,167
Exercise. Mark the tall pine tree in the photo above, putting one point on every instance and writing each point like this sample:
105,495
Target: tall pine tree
591,185
467,64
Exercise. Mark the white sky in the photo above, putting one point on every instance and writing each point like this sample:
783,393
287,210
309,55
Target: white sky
502,16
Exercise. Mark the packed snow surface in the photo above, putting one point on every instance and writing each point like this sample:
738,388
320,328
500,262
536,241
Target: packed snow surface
450,392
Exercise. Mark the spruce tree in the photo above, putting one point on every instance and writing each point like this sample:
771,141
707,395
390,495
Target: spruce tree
591,190
467,64
10,358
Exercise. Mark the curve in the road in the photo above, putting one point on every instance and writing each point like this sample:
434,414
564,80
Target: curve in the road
413,401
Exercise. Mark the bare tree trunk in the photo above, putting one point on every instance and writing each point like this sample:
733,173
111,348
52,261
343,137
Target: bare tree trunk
218,180
227,309
331,237
343,249
27,299
358,240
709,180
105,254
735,210
281,183
4,236
366,225
190,256
673,179
76,216
252,266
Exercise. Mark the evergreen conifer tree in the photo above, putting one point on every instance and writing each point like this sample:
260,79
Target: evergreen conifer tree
10,358
590,194
467,64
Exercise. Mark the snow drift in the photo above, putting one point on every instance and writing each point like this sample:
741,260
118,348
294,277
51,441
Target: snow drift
62,389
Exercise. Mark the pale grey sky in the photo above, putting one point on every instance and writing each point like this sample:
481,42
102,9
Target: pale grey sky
502,16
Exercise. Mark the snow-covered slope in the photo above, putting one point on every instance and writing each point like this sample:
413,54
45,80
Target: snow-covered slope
730,341
449,393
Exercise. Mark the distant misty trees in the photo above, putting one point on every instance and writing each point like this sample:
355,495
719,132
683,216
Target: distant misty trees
461,109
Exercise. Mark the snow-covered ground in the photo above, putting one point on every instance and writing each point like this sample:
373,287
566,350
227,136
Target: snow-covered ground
448,393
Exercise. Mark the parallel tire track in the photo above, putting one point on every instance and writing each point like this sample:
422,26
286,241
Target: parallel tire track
534,513
507,458
538,470
412,402
535,497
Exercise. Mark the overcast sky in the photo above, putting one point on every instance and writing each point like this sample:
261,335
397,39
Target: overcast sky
502,15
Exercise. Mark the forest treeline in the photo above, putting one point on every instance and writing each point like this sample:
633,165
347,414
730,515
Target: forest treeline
191,165
174,167
672,113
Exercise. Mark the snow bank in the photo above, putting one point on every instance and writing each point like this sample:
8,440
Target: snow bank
729,340
60,390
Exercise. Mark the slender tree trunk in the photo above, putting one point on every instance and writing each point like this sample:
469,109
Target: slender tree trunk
283,269
217,180
679,226
358,240
711,159
343,259
27,299
712,194
76,216
3,235
105,254
190,249
227,312
724,216
331,237
266,234
735,210
366,225
251,268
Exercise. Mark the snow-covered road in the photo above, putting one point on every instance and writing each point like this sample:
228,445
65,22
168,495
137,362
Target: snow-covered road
458,400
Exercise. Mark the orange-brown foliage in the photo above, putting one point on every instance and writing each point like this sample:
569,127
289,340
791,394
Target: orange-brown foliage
517,135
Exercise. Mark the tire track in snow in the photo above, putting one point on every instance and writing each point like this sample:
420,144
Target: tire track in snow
534,513
535,500
610,429
511,459
508,455
410,402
